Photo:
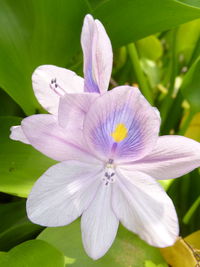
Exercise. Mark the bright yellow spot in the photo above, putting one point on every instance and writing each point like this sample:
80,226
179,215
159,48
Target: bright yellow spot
120,133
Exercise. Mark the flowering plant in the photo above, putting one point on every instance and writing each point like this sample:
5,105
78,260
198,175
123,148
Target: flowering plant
88,166
110,151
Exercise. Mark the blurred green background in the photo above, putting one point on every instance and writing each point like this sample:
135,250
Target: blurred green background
157,47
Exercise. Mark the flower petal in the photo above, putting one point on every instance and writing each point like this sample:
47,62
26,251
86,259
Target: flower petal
45,134
73,108
173,156
51,82
98,55
121,125
99,224
143,207
62,193
18,134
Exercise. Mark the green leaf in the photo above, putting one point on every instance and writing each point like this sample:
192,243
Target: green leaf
32,33
191,86
33,253
127,21
21,165
152,71
14,225
187,37
127,250
3,258
8,106
37,32
150,48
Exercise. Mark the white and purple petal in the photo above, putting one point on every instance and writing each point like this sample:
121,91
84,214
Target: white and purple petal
172,157
121,113
99,224
18,134
98,56
51,82
73,109
144,208
46,135
63,192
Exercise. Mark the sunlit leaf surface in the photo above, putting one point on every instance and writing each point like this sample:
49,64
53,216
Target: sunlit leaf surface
21,165
127,250
31,254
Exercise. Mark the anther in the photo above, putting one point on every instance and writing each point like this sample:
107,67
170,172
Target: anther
56,87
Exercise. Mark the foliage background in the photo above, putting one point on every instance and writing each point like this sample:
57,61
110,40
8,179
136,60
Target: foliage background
156,46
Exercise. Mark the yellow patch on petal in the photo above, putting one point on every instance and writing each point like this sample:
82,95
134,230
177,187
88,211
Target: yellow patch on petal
120,133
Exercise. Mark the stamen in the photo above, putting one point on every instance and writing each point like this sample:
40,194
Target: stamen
56,87
109,173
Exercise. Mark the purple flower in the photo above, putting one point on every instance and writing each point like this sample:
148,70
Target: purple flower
111,157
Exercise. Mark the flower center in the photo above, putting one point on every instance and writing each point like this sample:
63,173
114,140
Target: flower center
109,174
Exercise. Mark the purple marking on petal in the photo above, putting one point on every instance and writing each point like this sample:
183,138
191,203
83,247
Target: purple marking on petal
113,149
131,144
90,84
104,141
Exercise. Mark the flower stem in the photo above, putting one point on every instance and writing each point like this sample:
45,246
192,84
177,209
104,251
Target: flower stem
172,121
186,122
191,211
143,85
168,101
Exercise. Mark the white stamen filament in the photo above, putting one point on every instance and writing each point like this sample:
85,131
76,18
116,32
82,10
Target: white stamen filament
56,87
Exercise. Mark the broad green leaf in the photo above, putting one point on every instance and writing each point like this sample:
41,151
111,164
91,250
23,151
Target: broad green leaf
14,225
33,253
21,165
8,106
127,250
32,33
191,86
38,32
3,258
185,252
127,21
150,48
